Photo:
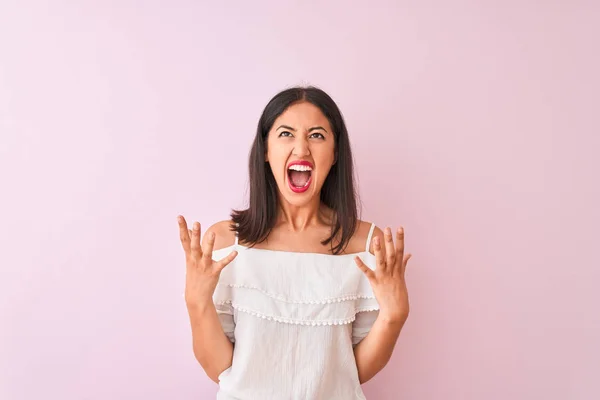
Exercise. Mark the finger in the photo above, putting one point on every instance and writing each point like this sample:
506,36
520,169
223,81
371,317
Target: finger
208,251
390,251
379,259
405,262
184,235
224,262
400,247
364,268
196,249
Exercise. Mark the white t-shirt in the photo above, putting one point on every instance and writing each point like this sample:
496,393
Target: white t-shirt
294,318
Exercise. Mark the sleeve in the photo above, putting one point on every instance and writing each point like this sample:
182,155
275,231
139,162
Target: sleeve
225,313
362,325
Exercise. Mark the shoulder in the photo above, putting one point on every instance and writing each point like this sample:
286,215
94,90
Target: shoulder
224,234
358,242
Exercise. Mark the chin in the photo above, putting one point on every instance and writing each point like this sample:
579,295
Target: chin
299,202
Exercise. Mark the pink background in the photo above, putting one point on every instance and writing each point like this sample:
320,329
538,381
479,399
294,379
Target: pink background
474,124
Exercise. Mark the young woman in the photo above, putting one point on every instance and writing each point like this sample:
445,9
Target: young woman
295,297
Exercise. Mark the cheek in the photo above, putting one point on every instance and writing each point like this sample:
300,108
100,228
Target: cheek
277,159
324,156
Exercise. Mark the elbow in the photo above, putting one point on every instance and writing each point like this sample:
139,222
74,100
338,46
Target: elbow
210,368
216,373
212,371
368,371
364,379
366,376
214,377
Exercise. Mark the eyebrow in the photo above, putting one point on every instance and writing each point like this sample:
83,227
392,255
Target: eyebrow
286,127
314,128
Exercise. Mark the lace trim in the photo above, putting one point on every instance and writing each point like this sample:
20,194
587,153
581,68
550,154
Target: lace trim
286,300
300,322
366,309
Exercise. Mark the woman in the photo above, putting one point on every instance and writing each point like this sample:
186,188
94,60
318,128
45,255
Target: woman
312,300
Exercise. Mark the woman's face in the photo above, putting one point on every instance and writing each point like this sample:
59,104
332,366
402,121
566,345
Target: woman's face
300,151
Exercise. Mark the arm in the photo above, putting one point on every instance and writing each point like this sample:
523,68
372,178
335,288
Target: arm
212,348
374,351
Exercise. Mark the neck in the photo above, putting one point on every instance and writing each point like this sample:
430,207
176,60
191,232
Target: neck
298,218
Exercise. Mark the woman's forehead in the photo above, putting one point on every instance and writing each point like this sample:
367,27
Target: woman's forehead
302,116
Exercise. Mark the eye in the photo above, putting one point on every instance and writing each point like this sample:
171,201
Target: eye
285,134
317,135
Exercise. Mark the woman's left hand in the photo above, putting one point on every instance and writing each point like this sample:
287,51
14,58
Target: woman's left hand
387,281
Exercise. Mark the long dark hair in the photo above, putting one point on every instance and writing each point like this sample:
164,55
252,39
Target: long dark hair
338,192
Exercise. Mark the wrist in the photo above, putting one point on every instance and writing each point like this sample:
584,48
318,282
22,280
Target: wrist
392,319
199,306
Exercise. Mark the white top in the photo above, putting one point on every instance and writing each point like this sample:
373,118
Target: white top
294,318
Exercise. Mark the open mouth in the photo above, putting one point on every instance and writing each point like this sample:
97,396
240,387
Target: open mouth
299,176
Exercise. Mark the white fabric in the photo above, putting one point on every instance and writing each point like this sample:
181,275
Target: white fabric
294,319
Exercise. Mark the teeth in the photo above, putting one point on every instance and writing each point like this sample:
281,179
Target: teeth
300,168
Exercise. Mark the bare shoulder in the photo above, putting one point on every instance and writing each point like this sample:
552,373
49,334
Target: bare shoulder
224,234
358,242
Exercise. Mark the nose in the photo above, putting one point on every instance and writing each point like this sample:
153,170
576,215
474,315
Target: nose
301,148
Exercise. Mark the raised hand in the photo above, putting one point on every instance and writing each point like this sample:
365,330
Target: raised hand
387,281
202,272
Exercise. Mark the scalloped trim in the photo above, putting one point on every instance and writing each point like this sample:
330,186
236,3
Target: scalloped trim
300,322
287,300
366,309
292,321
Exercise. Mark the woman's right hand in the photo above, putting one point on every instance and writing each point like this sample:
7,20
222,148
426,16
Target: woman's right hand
202,272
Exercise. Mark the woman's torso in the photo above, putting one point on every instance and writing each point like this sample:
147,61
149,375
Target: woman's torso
294,316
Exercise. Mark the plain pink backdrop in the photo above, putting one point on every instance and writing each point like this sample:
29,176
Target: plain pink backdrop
474,124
